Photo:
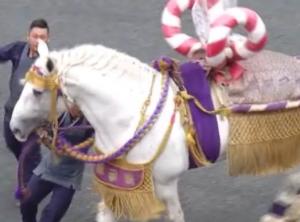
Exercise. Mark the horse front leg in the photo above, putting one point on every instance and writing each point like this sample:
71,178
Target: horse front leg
286,207
104,213
168,193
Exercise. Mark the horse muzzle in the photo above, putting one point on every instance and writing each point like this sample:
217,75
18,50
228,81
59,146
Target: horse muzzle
18,133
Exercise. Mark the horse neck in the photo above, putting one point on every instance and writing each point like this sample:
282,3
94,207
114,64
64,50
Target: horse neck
112,97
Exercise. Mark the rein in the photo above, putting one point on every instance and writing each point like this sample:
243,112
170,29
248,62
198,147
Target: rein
21,191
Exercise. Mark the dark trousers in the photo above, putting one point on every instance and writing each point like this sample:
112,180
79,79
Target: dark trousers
56,208
32,159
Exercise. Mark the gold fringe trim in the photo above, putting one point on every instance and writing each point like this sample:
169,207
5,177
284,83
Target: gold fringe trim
264,158
264,143
130,205
140,204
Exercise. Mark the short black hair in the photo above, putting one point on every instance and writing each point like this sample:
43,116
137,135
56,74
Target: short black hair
39,23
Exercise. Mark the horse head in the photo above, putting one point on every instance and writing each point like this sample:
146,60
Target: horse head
33,106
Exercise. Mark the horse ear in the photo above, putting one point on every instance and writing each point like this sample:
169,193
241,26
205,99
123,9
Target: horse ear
42,48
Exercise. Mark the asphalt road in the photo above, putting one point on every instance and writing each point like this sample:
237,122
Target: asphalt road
133,26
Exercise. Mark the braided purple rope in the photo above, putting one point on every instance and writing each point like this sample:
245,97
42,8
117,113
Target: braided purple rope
140,133
21,191
134,140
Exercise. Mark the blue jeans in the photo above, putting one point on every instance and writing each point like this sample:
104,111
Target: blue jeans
56,208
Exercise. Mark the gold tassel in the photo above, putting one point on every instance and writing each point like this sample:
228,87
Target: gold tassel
133,205
264,158
264,143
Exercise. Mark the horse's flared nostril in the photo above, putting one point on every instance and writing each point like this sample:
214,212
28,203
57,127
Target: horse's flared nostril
18,134
16,131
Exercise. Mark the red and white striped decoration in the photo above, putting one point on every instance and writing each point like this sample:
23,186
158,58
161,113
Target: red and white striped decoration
219,49
171,28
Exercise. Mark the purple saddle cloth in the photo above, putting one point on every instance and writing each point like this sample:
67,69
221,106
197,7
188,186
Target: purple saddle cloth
196,83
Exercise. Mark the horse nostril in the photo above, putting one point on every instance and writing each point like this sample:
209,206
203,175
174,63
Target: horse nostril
16,131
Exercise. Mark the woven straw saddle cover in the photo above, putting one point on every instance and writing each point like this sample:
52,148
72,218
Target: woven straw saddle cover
268,77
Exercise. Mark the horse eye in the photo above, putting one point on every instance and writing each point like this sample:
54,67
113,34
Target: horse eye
37,92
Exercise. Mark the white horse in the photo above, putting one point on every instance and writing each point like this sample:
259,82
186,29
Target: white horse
110,88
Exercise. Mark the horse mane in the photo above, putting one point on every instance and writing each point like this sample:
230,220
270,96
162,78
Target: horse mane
97,57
